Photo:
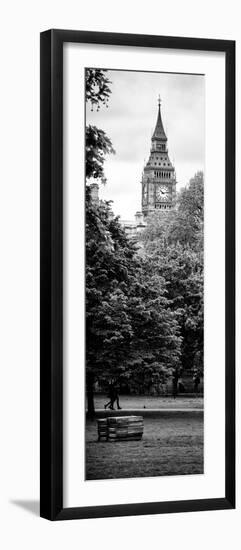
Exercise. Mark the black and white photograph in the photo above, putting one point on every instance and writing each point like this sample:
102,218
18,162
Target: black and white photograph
144,273
120,391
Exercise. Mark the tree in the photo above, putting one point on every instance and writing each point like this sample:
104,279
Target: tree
156,342
184,225
108,262
98,144
182,269
131,331
174,241
187,227
97,89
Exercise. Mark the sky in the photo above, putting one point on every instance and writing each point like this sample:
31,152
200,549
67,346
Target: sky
129,122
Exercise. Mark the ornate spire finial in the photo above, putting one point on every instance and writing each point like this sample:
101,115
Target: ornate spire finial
159,130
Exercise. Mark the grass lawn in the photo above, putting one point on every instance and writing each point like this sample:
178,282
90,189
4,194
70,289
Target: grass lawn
170,446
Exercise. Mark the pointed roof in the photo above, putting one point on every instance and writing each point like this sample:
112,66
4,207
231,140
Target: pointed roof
159,133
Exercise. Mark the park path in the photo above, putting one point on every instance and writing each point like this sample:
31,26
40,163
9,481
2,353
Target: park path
133,402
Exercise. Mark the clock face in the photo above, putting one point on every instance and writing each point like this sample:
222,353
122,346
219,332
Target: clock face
163,193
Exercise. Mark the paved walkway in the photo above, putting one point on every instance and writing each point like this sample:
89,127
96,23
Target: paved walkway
142,402
102,413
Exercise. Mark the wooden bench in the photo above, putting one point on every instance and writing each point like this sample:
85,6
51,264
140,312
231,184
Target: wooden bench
120,428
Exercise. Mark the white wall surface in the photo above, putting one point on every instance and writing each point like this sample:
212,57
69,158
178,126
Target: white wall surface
21,23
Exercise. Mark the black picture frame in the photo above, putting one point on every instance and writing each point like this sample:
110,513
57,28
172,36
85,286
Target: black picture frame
51,323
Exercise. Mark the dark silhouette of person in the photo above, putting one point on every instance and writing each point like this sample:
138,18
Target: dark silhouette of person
181,386
113,395
175,377
196,381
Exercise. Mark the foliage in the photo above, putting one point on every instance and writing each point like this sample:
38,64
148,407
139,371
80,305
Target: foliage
187,228
97,88
131,331
98,144
184,225
155,347
173,243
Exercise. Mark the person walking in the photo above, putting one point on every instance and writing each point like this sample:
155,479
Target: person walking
113,395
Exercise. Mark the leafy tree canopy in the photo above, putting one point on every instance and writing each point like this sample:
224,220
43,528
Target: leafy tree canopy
173,244
131,327
98,144
97,87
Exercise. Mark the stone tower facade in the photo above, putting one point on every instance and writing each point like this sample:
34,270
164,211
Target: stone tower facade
159,177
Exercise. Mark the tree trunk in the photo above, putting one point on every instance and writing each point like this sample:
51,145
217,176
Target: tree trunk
90,397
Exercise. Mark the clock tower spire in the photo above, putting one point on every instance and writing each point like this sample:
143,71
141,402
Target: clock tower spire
159,178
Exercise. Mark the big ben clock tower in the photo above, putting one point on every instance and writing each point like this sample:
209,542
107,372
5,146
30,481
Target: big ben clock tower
158,178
